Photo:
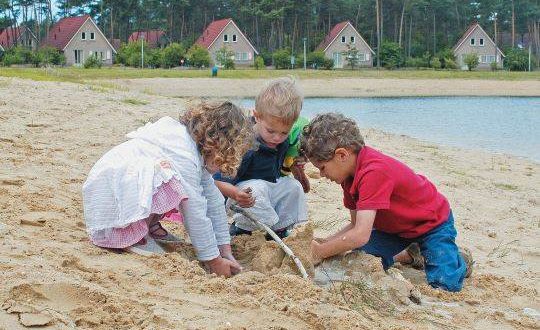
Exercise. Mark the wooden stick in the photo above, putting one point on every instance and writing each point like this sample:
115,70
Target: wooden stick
276,238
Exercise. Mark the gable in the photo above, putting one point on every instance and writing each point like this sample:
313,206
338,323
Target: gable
347,30
235,30
474,30
215,30
88,27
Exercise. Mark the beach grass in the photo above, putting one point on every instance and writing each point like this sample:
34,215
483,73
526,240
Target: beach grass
74,74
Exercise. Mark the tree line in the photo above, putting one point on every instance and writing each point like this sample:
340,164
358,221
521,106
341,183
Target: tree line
417,26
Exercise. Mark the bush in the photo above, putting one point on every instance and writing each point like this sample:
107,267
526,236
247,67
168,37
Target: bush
172,55
450,64
93,62
471,60
516,59
328,64
225,57
154,58
416,62
259,63
494,66
50,55
317,59
267,57
446,55
17,55
391,55
435,63
282,59
130,54
198,56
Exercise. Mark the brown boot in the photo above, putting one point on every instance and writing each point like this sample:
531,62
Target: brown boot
417,259
469,261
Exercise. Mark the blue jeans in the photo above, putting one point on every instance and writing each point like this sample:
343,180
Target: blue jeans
444,266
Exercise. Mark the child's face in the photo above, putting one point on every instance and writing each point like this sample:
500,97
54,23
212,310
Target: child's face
271,130
337,169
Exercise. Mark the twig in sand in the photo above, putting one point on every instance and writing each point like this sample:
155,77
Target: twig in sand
502,250
276,238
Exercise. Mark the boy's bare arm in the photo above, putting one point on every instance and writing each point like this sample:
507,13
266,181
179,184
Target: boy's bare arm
242,197
343,230
351,237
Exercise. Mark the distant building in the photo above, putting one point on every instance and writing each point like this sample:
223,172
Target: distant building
342,36
79,38
17,36
154,38
476,41
225,33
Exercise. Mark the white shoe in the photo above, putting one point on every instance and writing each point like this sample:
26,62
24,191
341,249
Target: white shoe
147,247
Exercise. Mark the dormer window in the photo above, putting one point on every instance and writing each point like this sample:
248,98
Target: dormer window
343,39
92,36
481,42
83,35
234,37
352,40
472,41
225,38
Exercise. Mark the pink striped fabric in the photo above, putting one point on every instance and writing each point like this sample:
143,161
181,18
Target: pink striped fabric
164,202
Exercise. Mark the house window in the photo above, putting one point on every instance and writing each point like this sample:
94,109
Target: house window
337,60
361,57
78,56
472,41
92,36
352,40
83,35
234,37
108,54
241,56
481,42
225,38
343,39
487,58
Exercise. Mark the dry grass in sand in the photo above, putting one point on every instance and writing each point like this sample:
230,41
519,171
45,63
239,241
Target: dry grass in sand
51,134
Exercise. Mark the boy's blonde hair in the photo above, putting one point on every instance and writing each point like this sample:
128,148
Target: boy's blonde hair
222,131
327,132
281,98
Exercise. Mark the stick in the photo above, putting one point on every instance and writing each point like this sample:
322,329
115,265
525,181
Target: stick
276,238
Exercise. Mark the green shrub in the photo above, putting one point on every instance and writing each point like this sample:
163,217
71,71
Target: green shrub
50,55
316,59
154,58
391,55
493,66
130,54
225,57
471,60
267,57
17,55
93,62
282,59
416,62
328,64
198,56
435,63
450,64
259,63
516,59
172,55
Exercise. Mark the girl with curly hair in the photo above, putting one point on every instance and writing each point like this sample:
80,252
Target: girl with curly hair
164,171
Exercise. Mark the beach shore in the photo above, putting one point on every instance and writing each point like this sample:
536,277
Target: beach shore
52,133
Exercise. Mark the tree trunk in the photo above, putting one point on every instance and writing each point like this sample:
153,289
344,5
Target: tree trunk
513,26
377,10
434,35
401,22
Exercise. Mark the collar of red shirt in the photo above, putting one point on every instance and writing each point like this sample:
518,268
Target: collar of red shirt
356,180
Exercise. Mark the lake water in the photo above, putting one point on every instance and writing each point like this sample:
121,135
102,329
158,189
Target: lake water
496,124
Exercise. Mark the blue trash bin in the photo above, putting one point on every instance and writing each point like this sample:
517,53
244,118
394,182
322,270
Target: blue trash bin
214,71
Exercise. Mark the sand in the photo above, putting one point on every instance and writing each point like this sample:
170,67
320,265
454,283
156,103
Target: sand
51,134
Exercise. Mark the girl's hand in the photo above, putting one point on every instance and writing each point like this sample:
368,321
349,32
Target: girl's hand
315,252
221,266
244,198
226,252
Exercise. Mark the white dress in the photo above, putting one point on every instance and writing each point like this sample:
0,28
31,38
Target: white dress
120,186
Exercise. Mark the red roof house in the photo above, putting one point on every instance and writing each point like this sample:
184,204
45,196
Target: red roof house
154,38
79,38
476,41
225,33
13,36
342,37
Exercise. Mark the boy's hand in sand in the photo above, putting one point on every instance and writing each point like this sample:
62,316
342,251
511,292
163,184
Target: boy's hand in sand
221,266
315,252
226,252
244,198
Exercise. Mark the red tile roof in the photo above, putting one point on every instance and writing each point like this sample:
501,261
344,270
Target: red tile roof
332,35
151,37
9,36
211,32
63,31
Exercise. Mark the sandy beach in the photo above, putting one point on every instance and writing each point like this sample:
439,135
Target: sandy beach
51,134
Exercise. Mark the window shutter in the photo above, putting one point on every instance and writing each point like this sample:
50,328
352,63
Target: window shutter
108,54
367,56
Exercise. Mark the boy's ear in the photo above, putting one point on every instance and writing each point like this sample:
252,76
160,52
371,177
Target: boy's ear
342,153
256,115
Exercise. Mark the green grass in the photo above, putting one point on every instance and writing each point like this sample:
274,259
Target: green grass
73,74
134,102
506,186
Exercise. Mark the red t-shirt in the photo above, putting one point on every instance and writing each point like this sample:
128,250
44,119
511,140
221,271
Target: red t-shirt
407,204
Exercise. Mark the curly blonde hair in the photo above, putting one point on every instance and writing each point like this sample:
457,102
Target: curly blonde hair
328,132
222,131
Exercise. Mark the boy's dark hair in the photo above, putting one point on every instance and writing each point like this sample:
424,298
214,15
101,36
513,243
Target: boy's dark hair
327,132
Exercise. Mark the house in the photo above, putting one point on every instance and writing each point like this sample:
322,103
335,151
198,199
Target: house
153,38
79,38
17,36
225,33
342,37
476,41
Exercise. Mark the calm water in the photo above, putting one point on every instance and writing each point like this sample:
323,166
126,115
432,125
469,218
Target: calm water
497,124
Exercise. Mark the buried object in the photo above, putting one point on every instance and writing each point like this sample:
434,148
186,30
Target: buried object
275,237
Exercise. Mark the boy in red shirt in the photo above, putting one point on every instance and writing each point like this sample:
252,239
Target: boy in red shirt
391,206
